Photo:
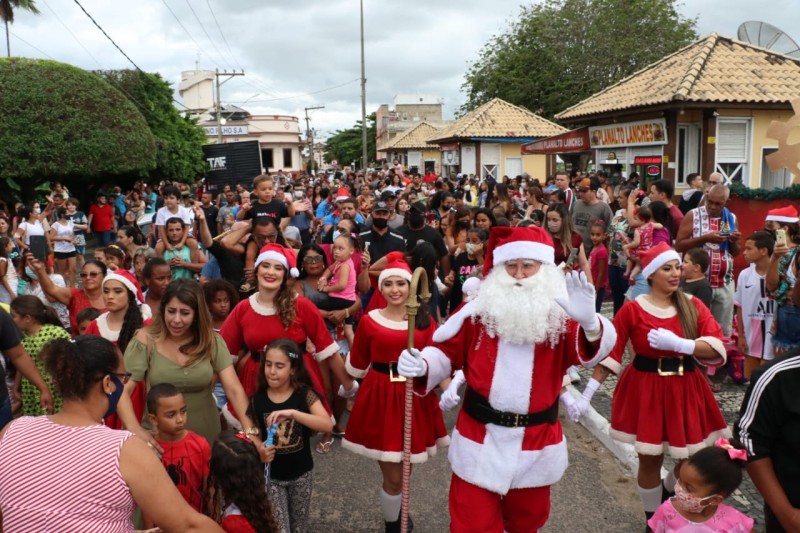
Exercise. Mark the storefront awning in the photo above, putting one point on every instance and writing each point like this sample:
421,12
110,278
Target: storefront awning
571,141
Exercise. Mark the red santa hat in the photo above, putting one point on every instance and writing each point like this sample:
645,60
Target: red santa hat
396,266
281,254
787,215
506,244
127,279
656,257
342,194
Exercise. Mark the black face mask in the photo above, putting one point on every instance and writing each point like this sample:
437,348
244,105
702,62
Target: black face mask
462,224
380,223
416,220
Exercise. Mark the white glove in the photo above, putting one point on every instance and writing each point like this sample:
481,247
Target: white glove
450,397
664,339
582,405
349,393
579,301
569,402
411,364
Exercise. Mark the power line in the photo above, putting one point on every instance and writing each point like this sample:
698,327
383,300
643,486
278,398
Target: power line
72,34
202,27
208,3
190,35
307,94
23,41
107,35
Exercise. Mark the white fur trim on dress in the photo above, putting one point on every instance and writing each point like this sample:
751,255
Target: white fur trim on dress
397,325
659,261
608,340
500,463
717,346
678,452
258,308
439,367
513,377
452,326
389,272
353,371
327,352
395,457
612,364
105,331
523,250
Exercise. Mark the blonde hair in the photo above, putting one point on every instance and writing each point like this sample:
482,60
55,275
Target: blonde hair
687,313
189,293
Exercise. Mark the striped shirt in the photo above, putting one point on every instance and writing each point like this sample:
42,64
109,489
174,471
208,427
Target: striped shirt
63,478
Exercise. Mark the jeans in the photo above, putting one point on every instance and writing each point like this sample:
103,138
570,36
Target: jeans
598,299
787,335
618,285
103,238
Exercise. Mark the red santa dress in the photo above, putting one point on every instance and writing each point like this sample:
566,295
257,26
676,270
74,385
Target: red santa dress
658,414
375,427
514,378
253,326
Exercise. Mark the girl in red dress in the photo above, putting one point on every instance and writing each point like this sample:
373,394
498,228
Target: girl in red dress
375,427
276,312
236,496
662,402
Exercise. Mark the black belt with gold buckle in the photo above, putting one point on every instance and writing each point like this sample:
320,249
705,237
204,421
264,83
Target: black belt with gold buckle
391,369
665,366
479,408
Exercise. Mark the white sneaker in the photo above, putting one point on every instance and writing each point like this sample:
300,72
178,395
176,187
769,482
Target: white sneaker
574,377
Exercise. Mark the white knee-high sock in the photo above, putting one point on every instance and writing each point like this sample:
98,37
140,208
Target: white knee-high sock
669,481
651,498
390,505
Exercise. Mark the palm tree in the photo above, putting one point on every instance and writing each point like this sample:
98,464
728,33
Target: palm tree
7,8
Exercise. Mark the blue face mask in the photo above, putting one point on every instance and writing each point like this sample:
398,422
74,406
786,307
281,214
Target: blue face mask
30,272
113,398
336,234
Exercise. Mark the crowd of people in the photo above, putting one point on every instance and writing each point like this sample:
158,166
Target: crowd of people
218,330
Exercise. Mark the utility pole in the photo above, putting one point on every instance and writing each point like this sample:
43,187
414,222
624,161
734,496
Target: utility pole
219,98
310,133
363,98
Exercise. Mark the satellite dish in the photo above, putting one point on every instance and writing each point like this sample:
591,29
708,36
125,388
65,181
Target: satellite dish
768,36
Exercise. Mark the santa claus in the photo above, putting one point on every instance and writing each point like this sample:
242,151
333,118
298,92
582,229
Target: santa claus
515,340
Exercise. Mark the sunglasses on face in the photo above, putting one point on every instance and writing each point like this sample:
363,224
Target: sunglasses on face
89,274
312,259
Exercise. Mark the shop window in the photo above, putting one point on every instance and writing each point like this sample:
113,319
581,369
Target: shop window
733,149
489,170
778,179
688,150
287,158
266,159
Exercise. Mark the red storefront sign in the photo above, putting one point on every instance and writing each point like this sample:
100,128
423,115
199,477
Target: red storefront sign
647,160
571,141
453,147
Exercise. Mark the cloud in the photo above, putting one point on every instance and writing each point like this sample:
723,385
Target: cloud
290,48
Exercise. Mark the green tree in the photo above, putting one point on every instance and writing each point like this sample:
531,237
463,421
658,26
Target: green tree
7,8
179,140
559,52
60,122
345,145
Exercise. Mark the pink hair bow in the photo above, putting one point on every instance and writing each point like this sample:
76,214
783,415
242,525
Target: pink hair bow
732,452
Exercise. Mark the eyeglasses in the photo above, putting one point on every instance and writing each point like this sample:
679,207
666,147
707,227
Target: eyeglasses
312,259
583,189
90,274
124,377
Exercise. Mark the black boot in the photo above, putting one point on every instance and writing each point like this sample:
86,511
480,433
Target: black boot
394,527
647,516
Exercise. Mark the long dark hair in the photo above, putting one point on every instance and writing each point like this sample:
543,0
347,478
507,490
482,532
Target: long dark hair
300,379
135,232
236,478
131,323
423,255
33,307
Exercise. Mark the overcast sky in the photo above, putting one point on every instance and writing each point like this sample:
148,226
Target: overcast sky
305,53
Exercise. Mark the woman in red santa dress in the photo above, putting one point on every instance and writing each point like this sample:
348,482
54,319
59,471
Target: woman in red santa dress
662,402
274,311
375,428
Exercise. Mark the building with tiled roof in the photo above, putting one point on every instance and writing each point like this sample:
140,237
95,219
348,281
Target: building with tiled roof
413,149
486,142
704,108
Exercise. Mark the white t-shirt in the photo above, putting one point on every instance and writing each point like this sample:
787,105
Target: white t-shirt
29,229
64,230
757,312
184,213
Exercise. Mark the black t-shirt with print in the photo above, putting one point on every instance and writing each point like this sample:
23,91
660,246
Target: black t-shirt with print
292,449
274,209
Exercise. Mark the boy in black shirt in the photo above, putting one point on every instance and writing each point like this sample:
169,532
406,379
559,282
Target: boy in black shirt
266,205
693,275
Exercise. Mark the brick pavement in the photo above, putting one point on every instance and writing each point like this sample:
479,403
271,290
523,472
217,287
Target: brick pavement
746,498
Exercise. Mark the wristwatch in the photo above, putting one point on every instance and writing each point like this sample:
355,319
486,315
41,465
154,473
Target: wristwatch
252,432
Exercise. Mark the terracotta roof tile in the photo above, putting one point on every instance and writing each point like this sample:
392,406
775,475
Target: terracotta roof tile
498,118
715,69
413,138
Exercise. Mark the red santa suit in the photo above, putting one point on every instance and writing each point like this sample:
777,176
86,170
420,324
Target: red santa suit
490,460
658,414
375,427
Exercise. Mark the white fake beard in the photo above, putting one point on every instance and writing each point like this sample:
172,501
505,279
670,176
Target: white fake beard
522,311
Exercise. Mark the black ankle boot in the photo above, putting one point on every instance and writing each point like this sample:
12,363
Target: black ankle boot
394,527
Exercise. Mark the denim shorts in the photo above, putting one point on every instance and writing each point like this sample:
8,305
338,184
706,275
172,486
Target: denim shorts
788,333
639,287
